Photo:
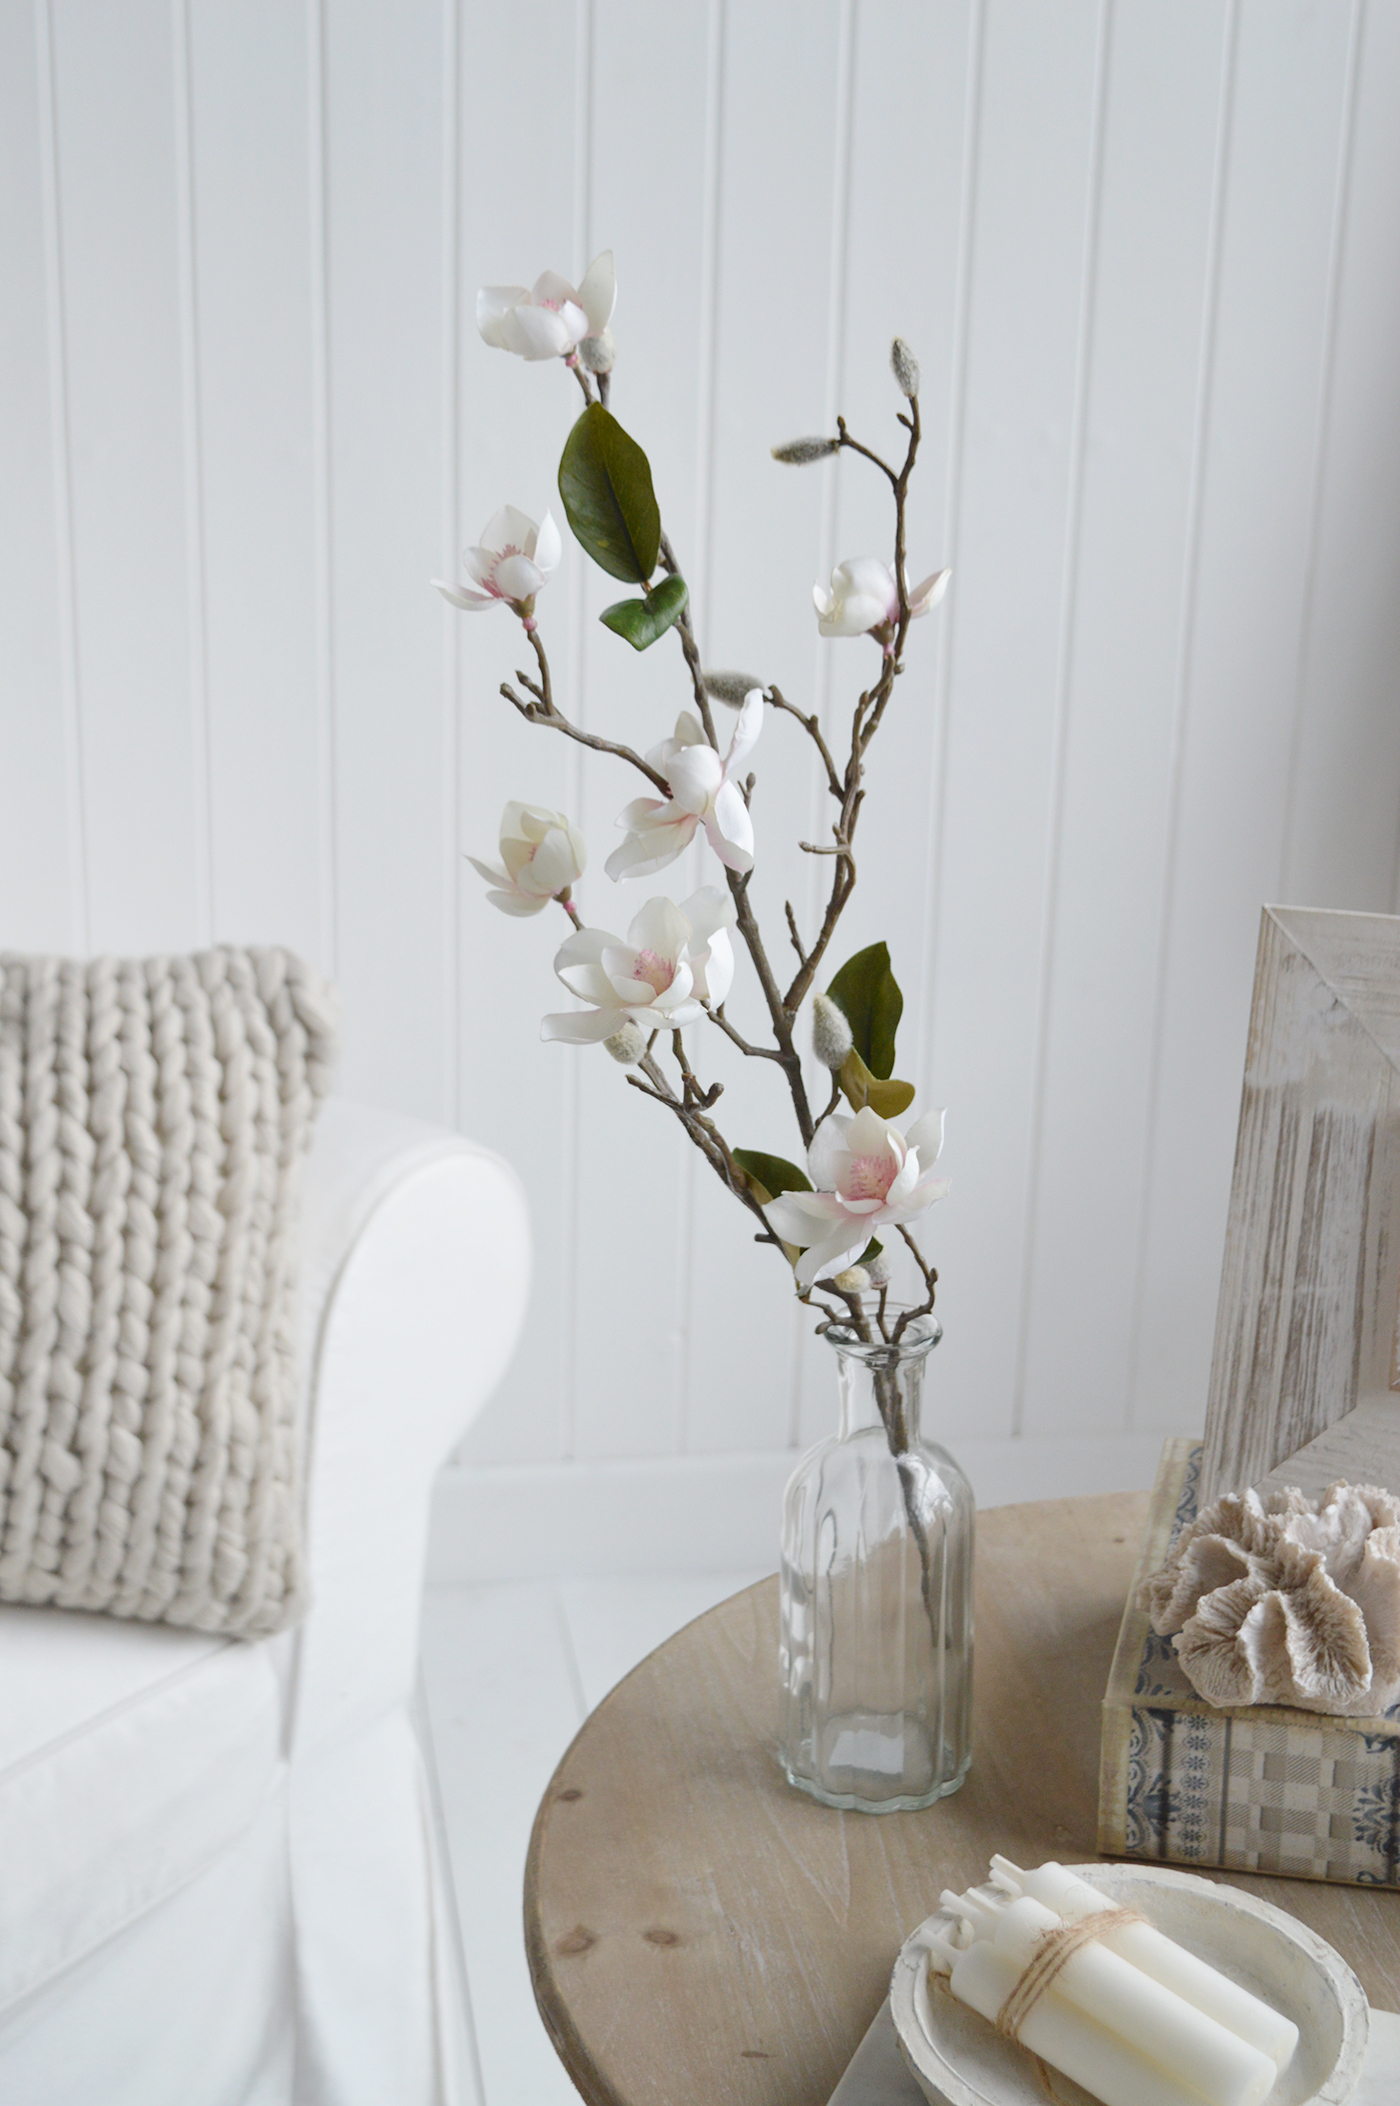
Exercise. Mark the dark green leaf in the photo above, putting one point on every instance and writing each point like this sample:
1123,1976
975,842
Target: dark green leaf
887,1098
867,994
770,1174
605,482
872,1251
642,621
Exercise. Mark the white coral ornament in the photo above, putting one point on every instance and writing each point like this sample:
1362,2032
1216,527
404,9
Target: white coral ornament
1288,1600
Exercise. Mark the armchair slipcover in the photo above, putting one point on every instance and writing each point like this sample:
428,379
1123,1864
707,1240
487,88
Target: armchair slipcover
219,1884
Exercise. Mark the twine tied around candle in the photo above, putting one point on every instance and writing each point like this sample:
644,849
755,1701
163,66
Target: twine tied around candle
1053,1950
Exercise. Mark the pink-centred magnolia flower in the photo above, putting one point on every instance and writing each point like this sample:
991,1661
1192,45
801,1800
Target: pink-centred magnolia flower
542,854
864,596
512,562
552,318
674,959
704,792
869,1175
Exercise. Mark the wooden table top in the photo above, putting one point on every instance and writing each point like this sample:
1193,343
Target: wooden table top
699,1933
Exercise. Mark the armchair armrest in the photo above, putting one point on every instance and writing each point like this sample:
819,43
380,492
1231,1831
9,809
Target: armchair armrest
416,1261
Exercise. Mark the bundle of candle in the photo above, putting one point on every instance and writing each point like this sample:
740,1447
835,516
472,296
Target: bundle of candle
1104,1998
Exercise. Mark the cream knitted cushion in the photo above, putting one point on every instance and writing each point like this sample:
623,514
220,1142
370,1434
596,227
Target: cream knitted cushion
153,1116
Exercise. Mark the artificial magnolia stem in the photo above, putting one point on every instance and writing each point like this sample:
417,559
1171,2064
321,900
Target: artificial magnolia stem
692,1107
780,1015
541,710
690,1110
813,729
868,714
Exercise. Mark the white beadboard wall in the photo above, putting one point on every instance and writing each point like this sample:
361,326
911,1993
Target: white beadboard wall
1147,258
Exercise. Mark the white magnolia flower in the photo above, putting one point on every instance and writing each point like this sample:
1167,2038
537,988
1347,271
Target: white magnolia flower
868,1175
864,595
512,563
552,319
541,856
674,959
704,792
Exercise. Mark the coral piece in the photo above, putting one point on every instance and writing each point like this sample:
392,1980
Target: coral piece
1288,1600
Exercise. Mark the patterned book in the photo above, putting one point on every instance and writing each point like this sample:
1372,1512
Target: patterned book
1254,1788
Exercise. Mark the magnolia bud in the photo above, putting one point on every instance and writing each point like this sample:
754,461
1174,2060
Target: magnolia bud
877,1270
598,353
798,452
854,1280
627,1045
831,1034
732,689
905,367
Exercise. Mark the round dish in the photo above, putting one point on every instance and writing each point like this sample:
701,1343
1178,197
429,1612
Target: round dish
959,2060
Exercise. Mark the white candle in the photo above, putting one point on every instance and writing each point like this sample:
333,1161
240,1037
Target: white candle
1171,1964
1198,2051
984,1976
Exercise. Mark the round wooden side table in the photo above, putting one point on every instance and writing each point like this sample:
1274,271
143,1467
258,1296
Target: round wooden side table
699,1933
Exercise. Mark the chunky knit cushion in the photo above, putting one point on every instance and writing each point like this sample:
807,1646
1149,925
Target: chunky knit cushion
153,1116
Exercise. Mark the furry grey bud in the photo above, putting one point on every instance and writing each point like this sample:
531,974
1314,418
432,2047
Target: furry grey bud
732,689
905,367
877,1269
854,1280
831,1034
627,1045
798,452
598,353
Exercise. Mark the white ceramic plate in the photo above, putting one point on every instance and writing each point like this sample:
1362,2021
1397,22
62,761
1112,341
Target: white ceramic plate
959,2059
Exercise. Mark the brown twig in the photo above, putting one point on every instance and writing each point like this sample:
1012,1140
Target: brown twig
690,648
780,1015
540,709
854,446
717,1016
792,932
869,711
930,1279
691,1108
813,729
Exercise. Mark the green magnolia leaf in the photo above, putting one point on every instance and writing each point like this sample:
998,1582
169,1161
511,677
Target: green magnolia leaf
872,1251
887,1098
642,621
770,1174
605,482
867,994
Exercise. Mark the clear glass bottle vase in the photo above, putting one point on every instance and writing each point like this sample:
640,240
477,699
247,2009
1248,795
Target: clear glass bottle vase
876,1585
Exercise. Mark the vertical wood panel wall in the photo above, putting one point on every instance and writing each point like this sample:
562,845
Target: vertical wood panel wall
1147,257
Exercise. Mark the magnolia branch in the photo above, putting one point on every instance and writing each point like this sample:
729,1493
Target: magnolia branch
780,1015
869,711
851,445
930,1280
693,1104
778,700
792,932
783,1006
686,632
692,1108
717,1016
541,710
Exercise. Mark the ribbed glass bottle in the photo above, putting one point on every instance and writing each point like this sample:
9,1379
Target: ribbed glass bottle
876,1637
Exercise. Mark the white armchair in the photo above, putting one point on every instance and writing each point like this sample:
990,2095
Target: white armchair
218,1878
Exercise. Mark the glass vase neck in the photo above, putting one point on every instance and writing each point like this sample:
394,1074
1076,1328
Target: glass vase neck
880,1382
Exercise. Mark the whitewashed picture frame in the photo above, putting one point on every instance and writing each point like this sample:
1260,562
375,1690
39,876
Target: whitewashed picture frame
1304,1383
